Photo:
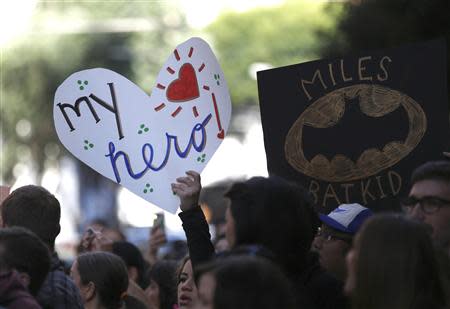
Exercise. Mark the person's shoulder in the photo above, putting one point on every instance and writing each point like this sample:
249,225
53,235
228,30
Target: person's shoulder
320,279
59,282
60,291
324,289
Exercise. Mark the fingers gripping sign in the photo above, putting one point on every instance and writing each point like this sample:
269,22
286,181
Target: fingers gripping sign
188,190
140,141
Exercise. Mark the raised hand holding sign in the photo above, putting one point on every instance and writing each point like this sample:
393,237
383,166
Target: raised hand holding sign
145,142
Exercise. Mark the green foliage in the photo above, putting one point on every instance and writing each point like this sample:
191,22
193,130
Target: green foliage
277,36
375,24
31,72
33,68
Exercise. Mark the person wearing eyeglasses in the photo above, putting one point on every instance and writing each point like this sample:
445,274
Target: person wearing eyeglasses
334,238
429,199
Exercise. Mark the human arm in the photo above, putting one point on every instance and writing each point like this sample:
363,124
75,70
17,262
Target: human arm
194,222
157,239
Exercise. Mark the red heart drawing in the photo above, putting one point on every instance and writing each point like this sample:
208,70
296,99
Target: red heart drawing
184,88
146,146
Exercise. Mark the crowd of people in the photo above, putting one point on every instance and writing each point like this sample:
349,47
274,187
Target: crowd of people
277,252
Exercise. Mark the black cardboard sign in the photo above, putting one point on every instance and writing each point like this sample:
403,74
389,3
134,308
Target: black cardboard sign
352,129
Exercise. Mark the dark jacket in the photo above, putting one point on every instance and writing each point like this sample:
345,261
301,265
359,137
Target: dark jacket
58,290
198,238
315,288
13,295
323,288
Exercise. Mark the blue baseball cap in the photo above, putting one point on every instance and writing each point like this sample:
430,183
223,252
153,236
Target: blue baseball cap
347,218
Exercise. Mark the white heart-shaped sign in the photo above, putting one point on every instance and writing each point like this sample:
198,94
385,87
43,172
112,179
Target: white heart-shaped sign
145,142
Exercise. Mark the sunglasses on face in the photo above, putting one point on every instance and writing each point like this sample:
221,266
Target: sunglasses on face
427,204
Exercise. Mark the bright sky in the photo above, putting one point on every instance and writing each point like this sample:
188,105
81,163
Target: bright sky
14,15
200,13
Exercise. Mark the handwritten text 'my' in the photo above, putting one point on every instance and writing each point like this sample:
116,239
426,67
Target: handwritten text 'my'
147,148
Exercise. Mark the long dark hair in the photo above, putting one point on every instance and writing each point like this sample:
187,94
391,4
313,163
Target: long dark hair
132,257
276,214
108,273
164,274
396,266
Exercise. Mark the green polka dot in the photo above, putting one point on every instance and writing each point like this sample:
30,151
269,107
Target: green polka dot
147,185
85,147
79,82
81,87
146,129
145,190
142,126
91,145
85,82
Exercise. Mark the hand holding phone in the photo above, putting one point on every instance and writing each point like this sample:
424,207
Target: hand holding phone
157,238
159,222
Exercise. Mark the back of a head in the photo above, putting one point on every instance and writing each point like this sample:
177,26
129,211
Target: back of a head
176,250
396,262
132,257
276,214
34,208
247,282
163,273
432,170
20,249
108,273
